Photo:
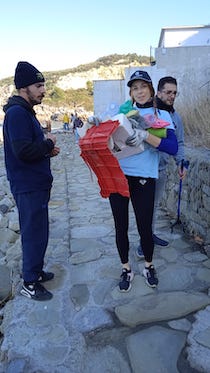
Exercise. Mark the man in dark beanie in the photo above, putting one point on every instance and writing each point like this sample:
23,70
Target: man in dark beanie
27,159
26,74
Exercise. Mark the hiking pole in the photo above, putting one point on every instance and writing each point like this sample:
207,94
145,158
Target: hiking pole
178,220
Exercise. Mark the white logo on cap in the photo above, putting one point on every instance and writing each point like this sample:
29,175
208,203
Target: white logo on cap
39,76
138,73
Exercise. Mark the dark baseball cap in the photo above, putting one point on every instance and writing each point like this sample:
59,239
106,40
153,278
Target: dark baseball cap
139,75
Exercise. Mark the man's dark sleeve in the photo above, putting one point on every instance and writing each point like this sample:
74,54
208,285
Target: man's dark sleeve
31,152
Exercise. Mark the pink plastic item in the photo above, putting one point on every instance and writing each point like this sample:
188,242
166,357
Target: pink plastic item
155,122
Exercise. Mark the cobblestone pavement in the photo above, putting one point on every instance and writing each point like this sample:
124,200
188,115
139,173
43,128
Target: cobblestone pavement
89,326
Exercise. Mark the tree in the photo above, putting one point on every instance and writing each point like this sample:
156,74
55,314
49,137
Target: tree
89,86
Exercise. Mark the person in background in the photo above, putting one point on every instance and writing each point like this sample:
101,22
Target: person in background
72,117
27,160
166,94
141,171
66,122
78,123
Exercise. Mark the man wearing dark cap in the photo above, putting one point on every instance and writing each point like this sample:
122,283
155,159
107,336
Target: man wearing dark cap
27,159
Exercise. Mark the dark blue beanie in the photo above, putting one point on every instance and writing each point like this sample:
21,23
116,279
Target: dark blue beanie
26,74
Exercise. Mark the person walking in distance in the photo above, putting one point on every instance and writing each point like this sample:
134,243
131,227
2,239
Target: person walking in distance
141,171
66,122
27,160
166,94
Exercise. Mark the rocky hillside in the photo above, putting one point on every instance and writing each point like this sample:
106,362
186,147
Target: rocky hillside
62,84
105,68
79,80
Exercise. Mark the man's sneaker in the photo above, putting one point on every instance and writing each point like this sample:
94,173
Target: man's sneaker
126,278
45,276
159,241
139,252
150,275
35,291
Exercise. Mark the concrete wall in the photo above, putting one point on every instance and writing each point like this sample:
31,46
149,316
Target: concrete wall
107,92
192,60
191,67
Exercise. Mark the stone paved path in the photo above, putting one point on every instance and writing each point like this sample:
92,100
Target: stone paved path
89,326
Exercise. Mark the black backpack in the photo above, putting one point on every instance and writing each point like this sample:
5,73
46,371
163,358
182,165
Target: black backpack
78,122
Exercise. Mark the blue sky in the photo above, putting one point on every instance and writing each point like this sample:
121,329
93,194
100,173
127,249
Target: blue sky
55,35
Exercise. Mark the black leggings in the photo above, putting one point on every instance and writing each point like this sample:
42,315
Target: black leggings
142,192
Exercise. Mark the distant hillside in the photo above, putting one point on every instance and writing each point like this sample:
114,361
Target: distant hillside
74,87
112,66
109,67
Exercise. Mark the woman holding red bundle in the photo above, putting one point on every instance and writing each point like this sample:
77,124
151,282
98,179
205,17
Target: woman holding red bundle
141,171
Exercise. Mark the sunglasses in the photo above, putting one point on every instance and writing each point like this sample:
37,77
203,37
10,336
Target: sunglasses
175,93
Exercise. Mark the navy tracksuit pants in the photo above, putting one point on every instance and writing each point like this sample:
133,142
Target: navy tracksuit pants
34,229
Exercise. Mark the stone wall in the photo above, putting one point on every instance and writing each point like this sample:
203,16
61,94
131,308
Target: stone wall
195,195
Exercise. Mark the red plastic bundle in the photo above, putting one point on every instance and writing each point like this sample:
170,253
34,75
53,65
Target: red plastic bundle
97,155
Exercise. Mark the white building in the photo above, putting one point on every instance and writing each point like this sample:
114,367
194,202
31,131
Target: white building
182,52
184,36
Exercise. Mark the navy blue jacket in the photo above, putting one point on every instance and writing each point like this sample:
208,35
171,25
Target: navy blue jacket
27,152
